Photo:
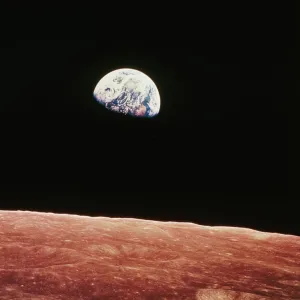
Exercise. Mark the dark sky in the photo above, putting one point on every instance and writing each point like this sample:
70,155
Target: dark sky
216,154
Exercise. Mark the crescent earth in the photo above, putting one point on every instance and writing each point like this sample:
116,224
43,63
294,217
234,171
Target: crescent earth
129,92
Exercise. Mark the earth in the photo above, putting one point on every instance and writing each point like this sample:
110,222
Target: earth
129,92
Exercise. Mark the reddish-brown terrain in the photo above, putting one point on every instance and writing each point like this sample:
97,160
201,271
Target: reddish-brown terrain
50,256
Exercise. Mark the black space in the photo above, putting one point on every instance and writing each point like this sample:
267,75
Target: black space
216,154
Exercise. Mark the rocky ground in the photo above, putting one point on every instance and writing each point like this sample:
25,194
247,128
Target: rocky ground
46,256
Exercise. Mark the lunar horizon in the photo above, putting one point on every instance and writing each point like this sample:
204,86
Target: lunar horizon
59,256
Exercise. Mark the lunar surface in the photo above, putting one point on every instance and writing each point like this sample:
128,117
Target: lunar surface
129,92
47,256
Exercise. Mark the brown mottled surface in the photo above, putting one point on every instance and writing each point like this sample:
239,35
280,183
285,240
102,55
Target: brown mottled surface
49,256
